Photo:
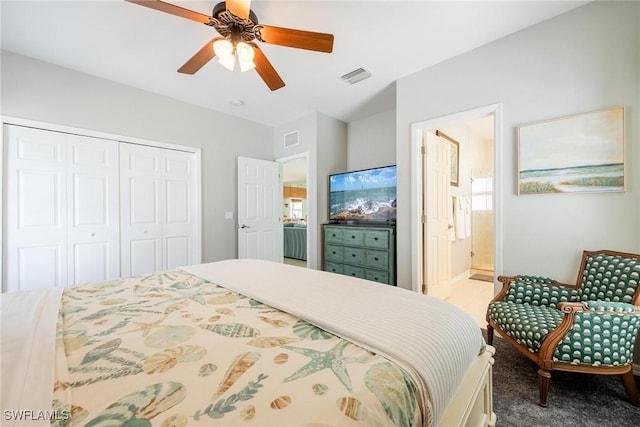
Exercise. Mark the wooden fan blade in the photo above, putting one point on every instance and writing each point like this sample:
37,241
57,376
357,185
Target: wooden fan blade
173,9
198,60
266,70
240,8
300,39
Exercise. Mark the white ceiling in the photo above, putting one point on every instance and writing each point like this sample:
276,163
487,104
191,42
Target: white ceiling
141,47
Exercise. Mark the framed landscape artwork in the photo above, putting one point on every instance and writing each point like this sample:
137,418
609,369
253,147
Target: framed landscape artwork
581,153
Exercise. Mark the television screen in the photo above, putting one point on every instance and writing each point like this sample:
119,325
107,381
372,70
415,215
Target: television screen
363,196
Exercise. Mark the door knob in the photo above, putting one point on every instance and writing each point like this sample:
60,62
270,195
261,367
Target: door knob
450,226
244,226
92,234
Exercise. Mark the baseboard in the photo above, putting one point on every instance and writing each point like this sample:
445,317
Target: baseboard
463,275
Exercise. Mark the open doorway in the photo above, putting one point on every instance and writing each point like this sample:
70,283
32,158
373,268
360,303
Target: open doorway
471,225
295,210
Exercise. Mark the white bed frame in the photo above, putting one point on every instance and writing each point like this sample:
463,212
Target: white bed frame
472,404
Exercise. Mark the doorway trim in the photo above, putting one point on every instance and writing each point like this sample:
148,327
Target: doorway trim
417,130
311,204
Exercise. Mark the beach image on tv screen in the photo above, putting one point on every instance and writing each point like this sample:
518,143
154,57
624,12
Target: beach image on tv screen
363,195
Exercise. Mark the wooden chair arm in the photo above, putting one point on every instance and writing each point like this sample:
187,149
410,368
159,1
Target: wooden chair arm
548,347
506,281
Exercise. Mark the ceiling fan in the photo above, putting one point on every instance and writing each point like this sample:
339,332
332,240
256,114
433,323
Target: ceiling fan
239,28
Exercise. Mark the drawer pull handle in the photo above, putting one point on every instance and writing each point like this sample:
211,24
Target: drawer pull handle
376,258
353,237
353,274
375,238
353,255
376,279
333,235
334,252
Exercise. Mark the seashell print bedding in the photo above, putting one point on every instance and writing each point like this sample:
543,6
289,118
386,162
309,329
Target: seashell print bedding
171,349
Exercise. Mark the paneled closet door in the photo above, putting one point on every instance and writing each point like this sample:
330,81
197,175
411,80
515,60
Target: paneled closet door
36,209
62,209
140,203
179,201
94,209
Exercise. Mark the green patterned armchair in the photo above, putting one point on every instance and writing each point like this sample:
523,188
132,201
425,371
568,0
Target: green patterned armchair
588,327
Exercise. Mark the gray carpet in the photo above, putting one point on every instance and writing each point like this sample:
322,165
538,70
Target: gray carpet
574,399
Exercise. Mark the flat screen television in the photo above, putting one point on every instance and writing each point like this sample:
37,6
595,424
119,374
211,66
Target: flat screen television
363,196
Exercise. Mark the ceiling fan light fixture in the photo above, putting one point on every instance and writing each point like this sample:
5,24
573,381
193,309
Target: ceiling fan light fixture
223,48
228,62
245,56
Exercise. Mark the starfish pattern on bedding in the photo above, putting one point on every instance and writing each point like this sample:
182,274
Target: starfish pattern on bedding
332,359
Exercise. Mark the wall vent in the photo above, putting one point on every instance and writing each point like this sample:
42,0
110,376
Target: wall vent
291,139
356,76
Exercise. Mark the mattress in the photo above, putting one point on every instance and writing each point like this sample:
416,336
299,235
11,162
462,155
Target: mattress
239,342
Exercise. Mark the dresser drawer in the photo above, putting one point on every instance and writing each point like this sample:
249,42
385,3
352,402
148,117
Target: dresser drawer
350,270
377,276
353,236
335,253
354,256
334,267
377,259
333,235
377,239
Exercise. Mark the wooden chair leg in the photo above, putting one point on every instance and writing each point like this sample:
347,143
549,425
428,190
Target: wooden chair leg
630,386
544,378
489,335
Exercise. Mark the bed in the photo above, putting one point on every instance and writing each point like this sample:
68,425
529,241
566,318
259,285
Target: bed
295,241
241,342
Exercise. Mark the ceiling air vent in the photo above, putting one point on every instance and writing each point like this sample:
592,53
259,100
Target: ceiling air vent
356,76
291,139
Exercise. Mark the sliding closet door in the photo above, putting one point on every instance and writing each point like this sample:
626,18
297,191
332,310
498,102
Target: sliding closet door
36,209
141,220
93,209
179,212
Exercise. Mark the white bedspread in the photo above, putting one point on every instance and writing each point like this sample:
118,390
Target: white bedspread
28,351
432,339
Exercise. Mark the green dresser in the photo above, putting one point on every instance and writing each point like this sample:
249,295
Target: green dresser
364,252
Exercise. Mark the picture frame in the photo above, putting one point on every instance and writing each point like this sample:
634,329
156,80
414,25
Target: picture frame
573,154
454,158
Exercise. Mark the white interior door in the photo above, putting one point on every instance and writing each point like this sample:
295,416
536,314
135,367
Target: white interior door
437,206
259,209
36,209
179,212
141,221
93,209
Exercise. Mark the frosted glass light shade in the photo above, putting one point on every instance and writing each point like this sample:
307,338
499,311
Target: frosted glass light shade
245,56
223,48
228,62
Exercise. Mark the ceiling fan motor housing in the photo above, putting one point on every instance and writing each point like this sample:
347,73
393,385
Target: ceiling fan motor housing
231,26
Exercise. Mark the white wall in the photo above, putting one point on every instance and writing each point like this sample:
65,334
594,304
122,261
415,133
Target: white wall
332,158
36,90
585,60
371,141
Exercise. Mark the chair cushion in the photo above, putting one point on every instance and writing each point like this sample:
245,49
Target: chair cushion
528,324
610,278
600,338
539,294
